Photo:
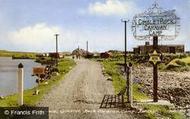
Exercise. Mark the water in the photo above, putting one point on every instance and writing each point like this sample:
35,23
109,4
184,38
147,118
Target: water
8,75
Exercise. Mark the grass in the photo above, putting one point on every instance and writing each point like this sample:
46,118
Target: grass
119,83
64,66
161,111
185,60
4,53
137,94
153,111
113,70
179,64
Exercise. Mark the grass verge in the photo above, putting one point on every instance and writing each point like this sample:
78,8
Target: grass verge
64,67
119,83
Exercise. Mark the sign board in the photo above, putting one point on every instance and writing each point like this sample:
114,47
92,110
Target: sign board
38,70
156,22
154,57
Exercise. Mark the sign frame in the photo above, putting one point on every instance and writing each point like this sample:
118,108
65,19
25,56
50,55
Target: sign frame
156,22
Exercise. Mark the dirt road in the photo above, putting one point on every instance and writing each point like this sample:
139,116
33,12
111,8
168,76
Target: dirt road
80,94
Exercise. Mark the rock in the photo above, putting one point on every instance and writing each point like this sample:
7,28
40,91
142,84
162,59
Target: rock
151,91
104,73
137,80
36,92
109,78
188,112
55,74
1,97
171,98
181,84
46,83
147,84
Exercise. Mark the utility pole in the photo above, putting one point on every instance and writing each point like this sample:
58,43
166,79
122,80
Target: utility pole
57,55
86,48
125,56
125,63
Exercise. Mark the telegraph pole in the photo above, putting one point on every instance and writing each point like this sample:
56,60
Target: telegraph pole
125,63
86,48
125,56
56,36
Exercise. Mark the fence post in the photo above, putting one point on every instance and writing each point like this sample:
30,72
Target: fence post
127,82
130,85
20,84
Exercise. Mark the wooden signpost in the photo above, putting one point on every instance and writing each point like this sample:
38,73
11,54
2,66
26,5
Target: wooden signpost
155,58
155,23
38,71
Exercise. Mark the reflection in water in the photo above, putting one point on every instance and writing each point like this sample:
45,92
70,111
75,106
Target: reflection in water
8,75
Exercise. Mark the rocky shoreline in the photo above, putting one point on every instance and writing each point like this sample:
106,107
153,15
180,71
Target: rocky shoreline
172,86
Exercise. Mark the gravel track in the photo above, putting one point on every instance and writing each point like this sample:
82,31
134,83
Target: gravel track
79,95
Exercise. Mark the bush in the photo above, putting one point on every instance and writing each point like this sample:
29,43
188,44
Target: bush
185,68
182,56
171,67
181,63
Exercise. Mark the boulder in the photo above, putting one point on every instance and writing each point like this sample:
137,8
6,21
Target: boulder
1,97
109,78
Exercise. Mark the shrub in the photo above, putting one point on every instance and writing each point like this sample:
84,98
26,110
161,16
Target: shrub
171,67
185,68
181,63
182,56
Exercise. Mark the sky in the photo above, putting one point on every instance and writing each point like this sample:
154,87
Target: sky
30,25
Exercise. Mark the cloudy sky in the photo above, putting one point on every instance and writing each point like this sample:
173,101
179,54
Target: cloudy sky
30,25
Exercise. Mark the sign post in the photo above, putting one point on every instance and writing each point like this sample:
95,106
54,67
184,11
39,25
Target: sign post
155,69
158,24
155,58
39,72
20,84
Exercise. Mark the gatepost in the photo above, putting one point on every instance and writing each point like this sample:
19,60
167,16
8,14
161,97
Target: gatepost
20,83
130,85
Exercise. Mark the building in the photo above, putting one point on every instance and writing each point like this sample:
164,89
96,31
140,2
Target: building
147,48
105,55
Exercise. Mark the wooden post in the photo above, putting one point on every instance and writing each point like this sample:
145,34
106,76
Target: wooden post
155,72
130,85
127,83
20,84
